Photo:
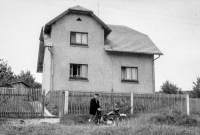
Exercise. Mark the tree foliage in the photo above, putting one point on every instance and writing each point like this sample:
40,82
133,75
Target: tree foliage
170,88
6,74
196,89
29,79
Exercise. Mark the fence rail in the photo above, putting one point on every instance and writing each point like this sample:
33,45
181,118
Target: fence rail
25,103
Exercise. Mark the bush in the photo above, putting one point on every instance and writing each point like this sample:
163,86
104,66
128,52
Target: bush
175,119
2,121
52,108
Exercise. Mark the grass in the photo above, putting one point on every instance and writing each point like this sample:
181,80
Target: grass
138,125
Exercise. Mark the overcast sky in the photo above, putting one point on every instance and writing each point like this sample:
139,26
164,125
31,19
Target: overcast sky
173,25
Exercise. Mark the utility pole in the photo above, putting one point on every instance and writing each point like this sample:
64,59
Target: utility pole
98,8
112,91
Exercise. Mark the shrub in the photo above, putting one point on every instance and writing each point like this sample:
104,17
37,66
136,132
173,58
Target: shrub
2,121
52,108
174,119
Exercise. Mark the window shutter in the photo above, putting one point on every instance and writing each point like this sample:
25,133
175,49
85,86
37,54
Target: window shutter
78,38
84,38
128,73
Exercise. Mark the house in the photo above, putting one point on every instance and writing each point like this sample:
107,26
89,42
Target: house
20,84
78,51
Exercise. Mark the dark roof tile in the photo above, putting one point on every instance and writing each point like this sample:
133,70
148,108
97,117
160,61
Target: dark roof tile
125,39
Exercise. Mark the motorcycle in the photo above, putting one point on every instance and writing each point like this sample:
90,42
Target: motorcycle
109,118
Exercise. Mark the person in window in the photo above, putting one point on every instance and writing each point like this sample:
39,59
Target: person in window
94,106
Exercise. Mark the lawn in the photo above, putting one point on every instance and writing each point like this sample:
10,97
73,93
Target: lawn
143,124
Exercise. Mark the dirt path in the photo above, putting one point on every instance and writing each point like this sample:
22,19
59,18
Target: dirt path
27,122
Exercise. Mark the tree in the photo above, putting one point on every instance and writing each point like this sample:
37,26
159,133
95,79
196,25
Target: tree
6,74
29,79
170,88
196,89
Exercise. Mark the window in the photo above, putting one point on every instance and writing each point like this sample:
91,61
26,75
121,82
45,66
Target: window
78,71
78,38
79,19
130,74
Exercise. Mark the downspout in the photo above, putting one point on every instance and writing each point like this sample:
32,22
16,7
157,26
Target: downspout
153,68
51,79
112,90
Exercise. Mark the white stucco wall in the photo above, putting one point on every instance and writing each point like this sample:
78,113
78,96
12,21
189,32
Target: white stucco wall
102,75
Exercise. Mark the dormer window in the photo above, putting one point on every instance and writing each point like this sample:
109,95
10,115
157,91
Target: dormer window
79,38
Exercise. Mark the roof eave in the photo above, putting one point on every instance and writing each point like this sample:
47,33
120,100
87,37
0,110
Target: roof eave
48,25
112,50
40,53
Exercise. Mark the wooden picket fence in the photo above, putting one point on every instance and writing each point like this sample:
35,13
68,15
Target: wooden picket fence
78,102
21,103
159,102
195,105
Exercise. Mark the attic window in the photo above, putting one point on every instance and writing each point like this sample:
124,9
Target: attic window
79,19
79,38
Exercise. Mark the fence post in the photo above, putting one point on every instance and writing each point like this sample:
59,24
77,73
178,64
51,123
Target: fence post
43,102
131,102
188,104
66,103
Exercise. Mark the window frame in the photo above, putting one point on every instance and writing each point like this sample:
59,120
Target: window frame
78,44
77,78
128,80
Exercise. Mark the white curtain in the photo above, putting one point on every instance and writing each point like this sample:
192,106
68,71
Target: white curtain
84,71
78,38
84,38
128,73
134,73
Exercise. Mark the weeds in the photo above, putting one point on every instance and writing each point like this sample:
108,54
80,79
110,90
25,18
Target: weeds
137,125
174,118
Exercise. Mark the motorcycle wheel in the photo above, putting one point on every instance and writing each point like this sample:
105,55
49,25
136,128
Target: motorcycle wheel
123,120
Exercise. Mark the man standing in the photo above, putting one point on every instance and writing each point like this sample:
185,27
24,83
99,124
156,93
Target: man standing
94,106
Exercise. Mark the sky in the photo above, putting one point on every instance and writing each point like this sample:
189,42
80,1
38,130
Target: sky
173,25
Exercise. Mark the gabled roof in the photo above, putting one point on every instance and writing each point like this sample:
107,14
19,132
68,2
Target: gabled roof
125,39
81,10
19,81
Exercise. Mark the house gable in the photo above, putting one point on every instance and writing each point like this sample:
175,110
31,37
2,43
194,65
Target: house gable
77,10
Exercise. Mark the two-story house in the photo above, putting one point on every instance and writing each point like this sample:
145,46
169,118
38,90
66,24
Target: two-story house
78,51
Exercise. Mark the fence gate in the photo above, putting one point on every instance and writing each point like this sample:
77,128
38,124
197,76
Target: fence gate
21,103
